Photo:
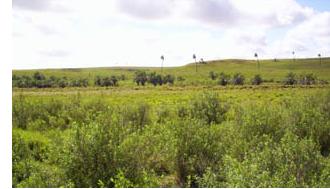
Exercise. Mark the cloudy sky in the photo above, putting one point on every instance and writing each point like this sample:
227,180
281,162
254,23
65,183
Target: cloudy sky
97,33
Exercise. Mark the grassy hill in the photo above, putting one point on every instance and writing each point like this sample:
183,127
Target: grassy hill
269,70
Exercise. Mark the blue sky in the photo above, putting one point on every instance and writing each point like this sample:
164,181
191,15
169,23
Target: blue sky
61,33
320,5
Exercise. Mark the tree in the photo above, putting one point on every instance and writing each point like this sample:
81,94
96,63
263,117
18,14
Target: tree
39,76
319,55
194,57
256,56
168,79
293,56
238,79
162,58
257,80
140,77
290,79
224,79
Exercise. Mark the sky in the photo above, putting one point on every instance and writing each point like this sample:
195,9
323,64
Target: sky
105,33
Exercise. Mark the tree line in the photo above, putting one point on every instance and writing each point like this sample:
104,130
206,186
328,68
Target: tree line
39,80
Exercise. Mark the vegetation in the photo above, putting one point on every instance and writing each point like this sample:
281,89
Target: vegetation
186,132
257,80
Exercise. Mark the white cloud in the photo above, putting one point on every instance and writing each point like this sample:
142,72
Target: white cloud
137,32
39,5
308,38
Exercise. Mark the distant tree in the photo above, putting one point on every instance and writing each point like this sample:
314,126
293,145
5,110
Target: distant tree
194,57
290,79
114,80
152,78
238,79
202,61
293,56
308,79
98,81
140,77
39,76
162,58
224,79
319,55
168,79
256,56
257,80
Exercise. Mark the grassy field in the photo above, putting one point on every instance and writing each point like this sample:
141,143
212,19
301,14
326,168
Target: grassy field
194,133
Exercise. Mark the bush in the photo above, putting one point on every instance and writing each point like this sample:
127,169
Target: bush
213,75
180,78
169,79
122,77
290,79
137,115
79,83
140,78
209,108
308,79
40,81
257,80
38,76
106,81
224,79
89,155
238,79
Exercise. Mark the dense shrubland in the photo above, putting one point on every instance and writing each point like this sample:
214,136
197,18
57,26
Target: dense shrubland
39,80
208,141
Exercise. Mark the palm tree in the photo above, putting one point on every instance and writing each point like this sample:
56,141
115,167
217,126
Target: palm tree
293,57
194,57
319,55
162,58
256,56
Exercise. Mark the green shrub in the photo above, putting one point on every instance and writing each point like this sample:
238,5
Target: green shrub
290,79
224,79
140,78
90,154
209,108
308,79
257,80
169,79
38,76
106,81
180,78
238,79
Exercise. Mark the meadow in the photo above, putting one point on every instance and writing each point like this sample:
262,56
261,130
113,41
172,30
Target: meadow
194,132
